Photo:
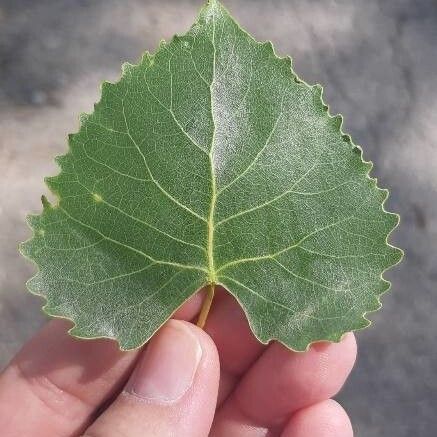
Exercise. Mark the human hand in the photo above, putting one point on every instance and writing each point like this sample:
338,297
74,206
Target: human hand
60,386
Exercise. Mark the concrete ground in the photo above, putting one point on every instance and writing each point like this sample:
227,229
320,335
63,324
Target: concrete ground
378,62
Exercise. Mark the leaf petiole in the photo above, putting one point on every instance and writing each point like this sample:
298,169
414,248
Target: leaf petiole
206,306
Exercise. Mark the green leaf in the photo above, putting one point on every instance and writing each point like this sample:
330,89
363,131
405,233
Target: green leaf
211,162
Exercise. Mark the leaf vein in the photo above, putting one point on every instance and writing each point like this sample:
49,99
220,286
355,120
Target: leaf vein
263,205
170,111
286,249
166,193
260,152
179,240
133,249
279,304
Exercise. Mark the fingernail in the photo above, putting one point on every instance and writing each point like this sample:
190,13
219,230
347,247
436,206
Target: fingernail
169,365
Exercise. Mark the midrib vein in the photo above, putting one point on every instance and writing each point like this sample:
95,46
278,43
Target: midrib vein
212,277
210,225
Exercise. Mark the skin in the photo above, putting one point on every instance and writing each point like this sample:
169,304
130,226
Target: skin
60,386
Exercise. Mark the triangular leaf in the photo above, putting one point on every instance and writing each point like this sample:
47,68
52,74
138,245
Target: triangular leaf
210,162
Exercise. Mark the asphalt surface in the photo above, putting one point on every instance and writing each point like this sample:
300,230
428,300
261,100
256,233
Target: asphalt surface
378,63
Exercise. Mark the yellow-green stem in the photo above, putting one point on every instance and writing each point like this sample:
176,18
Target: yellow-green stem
210,291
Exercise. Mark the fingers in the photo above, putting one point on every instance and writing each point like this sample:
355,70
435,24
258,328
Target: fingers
172,391
191,307
228,327
325,419
282,382
237,346
56,383
59,383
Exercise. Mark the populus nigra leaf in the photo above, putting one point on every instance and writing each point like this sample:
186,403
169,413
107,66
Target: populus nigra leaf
211,162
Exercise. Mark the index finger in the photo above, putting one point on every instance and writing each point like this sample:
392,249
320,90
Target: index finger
55,384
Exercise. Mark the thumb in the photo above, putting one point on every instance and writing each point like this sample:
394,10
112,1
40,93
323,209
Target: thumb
172,391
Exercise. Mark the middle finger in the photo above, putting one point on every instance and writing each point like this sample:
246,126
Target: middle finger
282,382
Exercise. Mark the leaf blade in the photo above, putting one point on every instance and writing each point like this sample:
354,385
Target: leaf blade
211,162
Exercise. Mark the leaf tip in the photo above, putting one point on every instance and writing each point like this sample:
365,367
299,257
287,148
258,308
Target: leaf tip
83,117
268,46
297,80
126,68
45,202
347,138
105,86
337,121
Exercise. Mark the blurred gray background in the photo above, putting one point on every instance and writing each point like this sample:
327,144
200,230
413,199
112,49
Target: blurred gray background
378,63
